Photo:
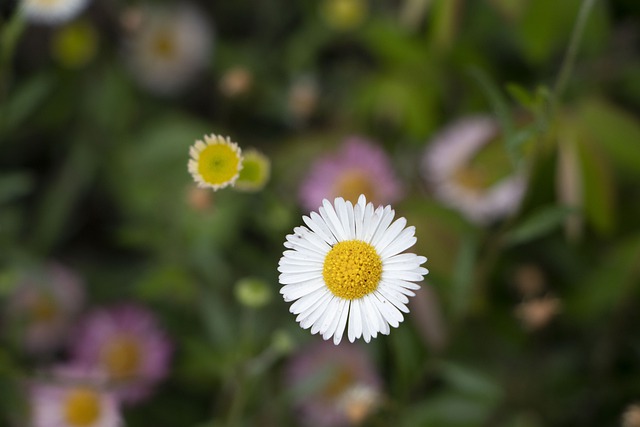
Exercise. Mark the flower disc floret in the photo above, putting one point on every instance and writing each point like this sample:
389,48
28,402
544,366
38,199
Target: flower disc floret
352,269
216,162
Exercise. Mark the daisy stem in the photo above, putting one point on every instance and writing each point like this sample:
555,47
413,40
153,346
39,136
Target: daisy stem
569,60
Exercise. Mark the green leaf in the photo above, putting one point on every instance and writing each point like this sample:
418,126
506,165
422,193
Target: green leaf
462,284
62,194
25,100
470,382
610,283
521,95
598,189
448,409
616,132
538,224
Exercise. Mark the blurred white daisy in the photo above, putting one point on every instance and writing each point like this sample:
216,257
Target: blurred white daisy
52,11
74,397
44,305
169,47
467,171
215,162
347,267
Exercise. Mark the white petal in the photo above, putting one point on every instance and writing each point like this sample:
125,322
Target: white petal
358,220
309,318
295,268
389,235
326,317
302,256
390,313
385,221
391,294
369,320
317,224
307,301
410,275
328,328
405,240
405,257
400,289
403,283
291,278
367,223
303,246
355,321
329,215
344,315
298,290
309,237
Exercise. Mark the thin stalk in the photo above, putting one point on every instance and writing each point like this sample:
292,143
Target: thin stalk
569,60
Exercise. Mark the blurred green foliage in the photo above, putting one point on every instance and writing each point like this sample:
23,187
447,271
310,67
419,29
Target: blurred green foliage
93,174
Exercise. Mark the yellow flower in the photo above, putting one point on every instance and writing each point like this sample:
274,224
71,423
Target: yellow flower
216,162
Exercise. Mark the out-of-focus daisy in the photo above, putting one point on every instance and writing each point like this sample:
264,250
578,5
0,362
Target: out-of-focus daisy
255,172
347,267
75,45
169,47
336,386
302,98
52,11
73,398
358,167
44,305
466,169
344,14
216,162
127,343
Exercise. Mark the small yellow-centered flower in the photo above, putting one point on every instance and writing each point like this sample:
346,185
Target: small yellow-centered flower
215,162
255,172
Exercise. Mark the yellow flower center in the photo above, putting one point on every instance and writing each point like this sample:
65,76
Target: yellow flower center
122,357
354,183
43,309
471,179
486,168
218,164
82,407
340,381
164,45
352,269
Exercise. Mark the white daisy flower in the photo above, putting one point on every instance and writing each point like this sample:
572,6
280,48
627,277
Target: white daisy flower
215,162
75,397
52,11
169,47
347,267
482,190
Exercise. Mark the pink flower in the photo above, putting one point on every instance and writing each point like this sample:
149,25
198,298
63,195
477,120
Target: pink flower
483,191
43,306
359,167
73,397
128,344
338,385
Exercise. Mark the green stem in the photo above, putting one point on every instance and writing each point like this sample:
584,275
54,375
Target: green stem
569,60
